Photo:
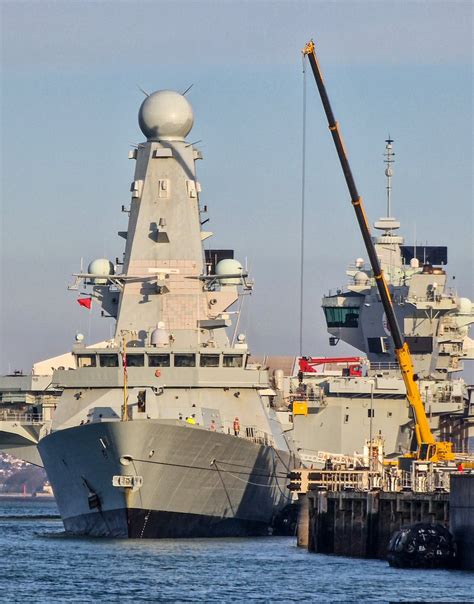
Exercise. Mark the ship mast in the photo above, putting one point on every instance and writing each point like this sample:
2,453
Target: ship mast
389,154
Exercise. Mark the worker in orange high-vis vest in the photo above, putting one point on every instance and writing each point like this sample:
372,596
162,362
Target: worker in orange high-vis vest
236,426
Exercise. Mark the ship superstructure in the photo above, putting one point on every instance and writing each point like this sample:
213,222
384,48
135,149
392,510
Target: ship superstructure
343,411
164,431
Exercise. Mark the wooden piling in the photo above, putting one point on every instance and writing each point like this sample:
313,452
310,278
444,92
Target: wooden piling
303,520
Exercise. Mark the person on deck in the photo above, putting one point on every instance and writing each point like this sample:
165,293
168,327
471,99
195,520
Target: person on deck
236,426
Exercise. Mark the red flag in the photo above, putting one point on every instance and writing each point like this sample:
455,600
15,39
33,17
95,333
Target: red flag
86,302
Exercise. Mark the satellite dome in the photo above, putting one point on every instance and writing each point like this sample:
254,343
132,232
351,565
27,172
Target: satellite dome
464,306
361,278
165,115
102,267
228,266
160,335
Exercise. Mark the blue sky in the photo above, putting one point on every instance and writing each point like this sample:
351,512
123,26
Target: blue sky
69,103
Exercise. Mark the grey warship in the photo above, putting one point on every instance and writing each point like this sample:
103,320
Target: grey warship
165,430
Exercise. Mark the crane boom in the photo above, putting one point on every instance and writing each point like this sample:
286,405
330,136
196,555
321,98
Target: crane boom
428,447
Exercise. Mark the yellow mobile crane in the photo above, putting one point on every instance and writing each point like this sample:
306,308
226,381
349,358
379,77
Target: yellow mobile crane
428,449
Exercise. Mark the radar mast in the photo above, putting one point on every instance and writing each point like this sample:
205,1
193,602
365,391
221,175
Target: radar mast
389,154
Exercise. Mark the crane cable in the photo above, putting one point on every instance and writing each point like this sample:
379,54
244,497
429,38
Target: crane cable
303,183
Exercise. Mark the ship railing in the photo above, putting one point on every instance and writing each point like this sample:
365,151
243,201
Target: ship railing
339,291
433,297
22,418
301,397
257,436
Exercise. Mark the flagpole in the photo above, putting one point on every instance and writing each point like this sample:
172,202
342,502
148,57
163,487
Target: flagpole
125,396
89,326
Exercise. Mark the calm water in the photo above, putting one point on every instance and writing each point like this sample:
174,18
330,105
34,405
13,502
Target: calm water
40,564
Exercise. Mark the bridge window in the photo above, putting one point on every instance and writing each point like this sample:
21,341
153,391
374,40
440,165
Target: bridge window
420,344
209,360
135,360
341,317
185,360
232,360
378,345
108,360
86,360
158,360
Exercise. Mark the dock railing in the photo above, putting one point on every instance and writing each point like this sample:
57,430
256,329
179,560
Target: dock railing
421,479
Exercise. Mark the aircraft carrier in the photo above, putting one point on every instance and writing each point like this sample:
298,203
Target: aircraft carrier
348,402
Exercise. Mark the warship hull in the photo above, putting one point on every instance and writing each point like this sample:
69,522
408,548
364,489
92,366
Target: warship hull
185,481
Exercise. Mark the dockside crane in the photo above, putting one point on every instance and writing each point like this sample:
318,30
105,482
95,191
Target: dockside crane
428,448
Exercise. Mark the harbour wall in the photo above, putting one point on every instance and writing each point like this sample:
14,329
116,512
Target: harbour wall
360,524
462,517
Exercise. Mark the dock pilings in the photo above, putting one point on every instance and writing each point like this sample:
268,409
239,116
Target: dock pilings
360,524
462,518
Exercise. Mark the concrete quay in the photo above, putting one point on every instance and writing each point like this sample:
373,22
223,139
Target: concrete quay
462,517
360,524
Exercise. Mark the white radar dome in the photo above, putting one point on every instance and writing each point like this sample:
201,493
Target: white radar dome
228,266
464,306
361,278
102,267
165,115
160,335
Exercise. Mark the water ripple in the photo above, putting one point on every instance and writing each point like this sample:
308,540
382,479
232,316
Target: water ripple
41,563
